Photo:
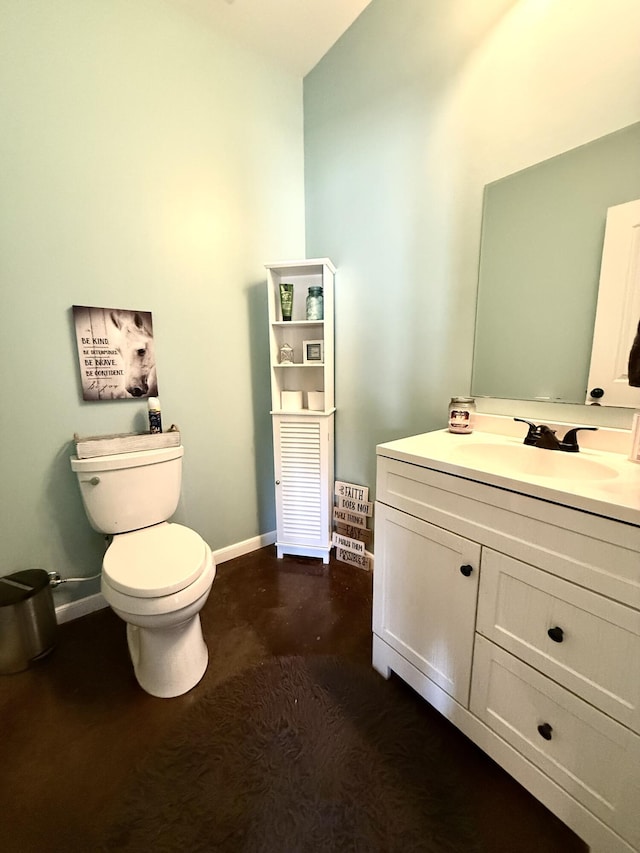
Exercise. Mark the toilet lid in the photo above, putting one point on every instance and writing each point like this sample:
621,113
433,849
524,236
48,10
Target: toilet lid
154,561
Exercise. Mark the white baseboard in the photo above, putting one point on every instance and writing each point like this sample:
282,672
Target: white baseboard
242,548
81,607
89,604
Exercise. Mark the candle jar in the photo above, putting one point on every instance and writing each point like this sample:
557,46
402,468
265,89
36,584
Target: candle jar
315,304
286,354
462,414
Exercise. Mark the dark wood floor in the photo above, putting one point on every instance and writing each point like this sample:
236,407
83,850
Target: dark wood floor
75,724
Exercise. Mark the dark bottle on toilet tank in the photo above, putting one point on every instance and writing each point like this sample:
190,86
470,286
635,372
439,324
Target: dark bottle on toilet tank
155,418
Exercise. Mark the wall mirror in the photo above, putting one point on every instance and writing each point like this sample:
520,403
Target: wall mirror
541,247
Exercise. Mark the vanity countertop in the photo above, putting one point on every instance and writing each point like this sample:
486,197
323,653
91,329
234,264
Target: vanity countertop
606,483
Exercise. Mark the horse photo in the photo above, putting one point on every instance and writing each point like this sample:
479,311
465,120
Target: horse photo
132,336
116,353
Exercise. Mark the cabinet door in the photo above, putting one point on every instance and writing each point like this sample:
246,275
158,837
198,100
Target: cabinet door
303,465
424,606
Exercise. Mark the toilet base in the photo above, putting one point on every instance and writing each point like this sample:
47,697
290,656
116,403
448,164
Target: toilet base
168,661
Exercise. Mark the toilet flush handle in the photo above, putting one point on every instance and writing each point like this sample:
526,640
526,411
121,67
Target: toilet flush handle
93,481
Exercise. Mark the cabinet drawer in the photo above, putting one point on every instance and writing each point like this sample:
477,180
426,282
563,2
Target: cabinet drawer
591,756
594,644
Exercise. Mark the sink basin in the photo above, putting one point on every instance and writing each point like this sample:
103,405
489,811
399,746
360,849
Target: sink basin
521,460
599,479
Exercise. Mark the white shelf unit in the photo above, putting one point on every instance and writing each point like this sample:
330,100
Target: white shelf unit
303,438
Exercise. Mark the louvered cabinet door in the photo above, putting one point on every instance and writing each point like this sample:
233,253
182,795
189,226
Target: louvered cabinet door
303,466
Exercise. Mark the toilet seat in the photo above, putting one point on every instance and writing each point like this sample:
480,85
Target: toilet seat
155,561
128,605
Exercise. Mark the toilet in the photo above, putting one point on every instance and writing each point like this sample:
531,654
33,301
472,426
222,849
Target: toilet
156,575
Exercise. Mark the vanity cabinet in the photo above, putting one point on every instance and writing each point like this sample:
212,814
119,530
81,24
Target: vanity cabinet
302,408
533,650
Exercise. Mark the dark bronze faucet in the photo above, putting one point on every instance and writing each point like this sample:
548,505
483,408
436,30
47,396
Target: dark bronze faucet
543,436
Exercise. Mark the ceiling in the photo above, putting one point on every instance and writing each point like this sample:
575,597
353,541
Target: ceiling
294,33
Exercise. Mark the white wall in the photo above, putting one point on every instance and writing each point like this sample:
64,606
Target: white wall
147,163
414,110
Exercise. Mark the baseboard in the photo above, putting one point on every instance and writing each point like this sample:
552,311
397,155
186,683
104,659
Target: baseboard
83,606
242,548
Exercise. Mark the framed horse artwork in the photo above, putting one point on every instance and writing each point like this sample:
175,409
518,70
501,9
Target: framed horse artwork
116,353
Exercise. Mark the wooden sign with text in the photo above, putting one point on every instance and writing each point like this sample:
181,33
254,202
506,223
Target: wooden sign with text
363,507
363,561
351,490
348,544
354,518
353,532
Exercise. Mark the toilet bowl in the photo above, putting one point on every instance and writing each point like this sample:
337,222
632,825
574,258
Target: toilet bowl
156,575
157,580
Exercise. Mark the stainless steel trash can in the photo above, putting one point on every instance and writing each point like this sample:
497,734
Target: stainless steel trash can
27,619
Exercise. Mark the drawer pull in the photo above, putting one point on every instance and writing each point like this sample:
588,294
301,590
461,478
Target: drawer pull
556,634
544,730
466,570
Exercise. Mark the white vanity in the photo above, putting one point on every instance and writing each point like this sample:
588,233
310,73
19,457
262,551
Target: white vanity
507,593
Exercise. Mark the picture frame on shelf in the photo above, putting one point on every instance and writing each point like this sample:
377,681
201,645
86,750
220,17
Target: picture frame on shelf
313,352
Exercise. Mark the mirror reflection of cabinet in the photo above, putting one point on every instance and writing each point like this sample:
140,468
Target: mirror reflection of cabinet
302,408
618,310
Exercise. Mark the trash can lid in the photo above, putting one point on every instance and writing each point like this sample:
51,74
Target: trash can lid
22,585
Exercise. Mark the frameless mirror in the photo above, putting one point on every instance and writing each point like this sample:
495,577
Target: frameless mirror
541,246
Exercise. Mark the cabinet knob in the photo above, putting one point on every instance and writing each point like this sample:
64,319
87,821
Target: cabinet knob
466,570
544,730
277,482
556,634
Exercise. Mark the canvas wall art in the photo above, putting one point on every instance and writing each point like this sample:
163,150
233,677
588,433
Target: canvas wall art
116,353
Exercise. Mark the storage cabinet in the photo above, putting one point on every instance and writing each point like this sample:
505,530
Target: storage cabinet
303,464
302,408
544,674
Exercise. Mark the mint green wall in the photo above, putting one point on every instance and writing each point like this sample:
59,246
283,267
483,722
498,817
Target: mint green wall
416,108
146,163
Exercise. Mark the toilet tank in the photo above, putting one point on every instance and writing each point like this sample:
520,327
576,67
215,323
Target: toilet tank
128,491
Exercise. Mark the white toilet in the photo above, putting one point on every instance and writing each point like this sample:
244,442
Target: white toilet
155,575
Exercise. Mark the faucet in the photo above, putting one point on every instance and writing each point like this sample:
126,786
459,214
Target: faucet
544,437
